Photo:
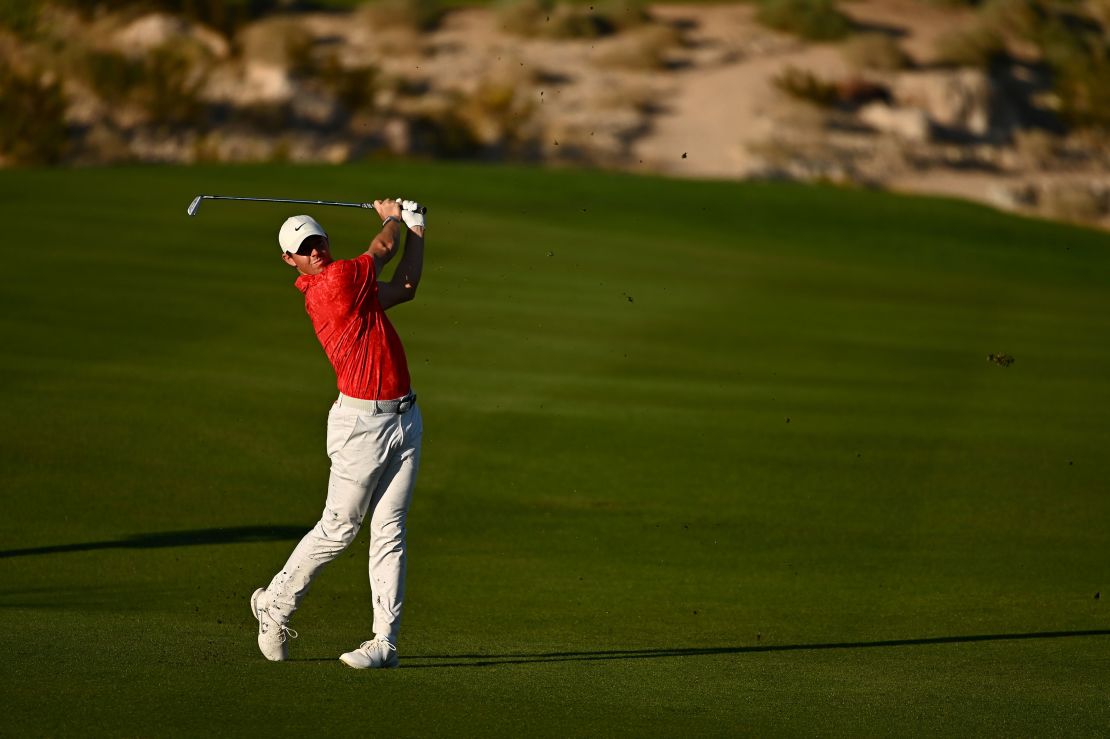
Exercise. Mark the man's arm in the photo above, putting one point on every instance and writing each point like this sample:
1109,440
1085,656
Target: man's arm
402,287
384,245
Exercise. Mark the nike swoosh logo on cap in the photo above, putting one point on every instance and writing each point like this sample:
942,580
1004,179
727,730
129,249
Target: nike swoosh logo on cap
298,228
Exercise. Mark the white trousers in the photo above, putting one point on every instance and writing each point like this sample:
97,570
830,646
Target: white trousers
374,460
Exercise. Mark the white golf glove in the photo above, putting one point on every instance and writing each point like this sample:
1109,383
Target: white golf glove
410,213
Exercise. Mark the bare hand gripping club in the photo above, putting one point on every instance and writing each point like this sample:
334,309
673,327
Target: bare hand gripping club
195,205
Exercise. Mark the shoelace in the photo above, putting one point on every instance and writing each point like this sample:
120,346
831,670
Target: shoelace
285,631
388,646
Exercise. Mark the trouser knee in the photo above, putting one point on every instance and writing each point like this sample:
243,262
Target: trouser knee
335,531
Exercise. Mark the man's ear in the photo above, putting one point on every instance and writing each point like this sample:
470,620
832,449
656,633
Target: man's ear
288,259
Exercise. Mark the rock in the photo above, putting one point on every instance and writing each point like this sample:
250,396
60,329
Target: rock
314,107
154,146
157,29
958,100
256,83
1009,196
908,124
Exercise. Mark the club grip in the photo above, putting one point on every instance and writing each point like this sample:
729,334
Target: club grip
422,210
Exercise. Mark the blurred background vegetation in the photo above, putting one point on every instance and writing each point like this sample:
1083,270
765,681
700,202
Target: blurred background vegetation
72,93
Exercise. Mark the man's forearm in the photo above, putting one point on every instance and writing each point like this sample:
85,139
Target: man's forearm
384,245
409,269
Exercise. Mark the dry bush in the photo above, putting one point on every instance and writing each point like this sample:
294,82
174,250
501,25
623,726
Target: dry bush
419,15
628,96
875,51
522,17
170,91
1094,142
1099,10
643,49
817,20
569,20
1017,18
803,85
354,87
111,75
32,118
498,114
1037,148
165,83
281,42
979,46
622,15
1073,201
19,16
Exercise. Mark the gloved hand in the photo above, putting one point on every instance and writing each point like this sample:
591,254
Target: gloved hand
411,213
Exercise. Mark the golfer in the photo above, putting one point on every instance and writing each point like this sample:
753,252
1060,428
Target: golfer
374,426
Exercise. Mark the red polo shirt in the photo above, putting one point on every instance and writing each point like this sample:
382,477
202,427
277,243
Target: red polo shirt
360,342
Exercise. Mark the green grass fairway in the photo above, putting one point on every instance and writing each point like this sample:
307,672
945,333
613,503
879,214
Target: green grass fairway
700,459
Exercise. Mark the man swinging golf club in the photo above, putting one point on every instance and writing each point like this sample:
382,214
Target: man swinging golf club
374,427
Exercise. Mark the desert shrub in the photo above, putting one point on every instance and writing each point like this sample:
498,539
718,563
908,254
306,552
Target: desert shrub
226,16
1073,201
354,87
165,83
804,85
498,115
298,53
521,17
623,14
980,46
419,15
279,41
169,92
445,134
32,118
21,17
568,20
1100,12
1017,18
111,75
1036,147
1080,61
818,20
875,51
644,49
1084,91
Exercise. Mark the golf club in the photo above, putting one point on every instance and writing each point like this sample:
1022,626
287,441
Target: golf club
195,205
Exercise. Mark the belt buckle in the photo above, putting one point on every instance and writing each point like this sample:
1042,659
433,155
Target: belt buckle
406,403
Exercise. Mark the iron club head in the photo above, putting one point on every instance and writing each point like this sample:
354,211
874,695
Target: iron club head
193,206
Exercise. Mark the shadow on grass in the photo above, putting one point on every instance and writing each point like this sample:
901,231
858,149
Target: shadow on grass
160,539
489,660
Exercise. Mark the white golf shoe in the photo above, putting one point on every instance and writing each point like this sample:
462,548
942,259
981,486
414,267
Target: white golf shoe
273,635
374,653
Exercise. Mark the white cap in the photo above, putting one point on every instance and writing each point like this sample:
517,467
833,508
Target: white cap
295,230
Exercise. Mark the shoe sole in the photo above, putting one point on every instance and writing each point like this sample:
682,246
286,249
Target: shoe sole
356,667
254,603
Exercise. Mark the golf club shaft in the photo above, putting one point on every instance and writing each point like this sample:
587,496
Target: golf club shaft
196,202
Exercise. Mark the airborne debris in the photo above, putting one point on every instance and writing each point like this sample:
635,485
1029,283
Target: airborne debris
1001,359
683,155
